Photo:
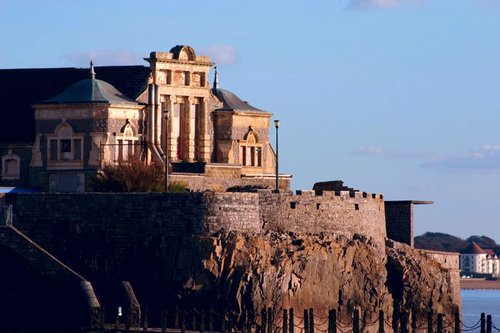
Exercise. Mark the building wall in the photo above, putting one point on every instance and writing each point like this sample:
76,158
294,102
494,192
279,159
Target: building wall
399,221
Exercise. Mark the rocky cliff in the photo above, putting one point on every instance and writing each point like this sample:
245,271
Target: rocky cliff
239,272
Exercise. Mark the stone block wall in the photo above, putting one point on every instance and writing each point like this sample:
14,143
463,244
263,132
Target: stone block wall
340,212
399,221
232,211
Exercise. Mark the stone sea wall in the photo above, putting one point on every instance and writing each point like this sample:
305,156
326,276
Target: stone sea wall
241,251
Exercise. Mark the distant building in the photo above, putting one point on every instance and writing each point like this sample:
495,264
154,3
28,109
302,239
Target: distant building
475,260
60,126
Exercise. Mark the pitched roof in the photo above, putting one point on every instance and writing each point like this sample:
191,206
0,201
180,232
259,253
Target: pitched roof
473,248
231,102
90,91
20,88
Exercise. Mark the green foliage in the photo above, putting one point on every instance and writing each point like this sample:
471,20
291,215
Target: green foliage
177,187
444,242
133,175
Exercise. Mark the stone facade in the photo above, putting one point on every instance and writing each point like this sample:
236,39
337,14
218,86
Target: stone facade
177,112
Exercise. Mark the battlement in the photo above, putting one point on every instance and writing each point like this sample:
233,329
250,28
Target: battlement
339,193
205,213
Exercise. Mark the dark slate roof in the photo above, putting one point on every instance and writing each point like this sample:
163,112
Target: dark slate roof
21,88
472,248
90,91
231,102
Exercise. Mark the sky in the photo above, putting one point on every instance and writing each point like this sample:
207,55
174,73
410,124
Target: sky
399,97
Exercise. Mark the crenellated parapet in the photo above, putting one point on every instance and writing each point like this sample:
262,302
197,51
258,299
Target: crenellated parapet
339,212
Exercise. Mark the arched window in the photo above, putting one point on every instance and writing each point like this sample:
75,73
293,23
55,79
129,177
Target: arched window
127,143
11,166
64,144
250,150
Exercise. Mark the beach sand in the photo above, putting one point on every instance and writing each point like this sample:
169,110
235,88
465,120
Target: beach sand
479,284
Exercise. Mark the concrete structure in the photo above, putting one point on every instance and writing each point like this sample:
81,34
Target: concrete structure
173,110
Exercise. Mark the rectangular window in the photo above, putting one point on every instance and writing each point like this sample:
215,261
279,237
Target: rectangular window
53,150
243,156
120,150
252,156
65,146
78,149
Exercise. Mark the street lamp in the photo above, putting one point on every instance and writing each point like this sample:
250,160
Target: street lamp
165,114
277,126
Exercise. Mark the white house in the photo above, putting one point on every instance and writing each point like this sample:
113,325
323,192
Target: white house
474,259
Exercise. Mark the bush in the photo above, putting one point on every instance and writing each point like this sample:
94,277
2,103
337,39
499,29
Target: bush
133,175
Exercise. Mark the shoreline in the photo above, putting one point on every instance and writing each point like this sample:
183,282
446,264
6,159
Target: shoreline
479,284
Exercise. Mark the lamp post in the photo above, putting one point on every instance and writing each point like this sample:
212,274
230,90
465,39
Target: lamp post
277,126
165,114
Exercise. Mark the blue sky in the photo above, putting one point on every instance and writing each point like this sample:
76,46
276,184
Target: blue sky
392,96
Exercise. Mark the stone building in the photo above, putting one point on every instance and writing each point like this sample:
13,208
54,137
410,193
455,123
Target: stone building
62,125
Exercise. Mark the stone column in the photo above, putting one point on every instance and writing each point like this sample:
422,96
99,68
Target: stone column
190,129
36,160
173,130
204,137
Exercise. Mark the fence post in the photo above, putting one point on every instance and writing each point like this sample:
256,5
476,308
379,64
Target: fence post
488,324
163,316
306,321
355,321
285,321
381,321
332,321
194,320
483,323
210,320
403,324
202,320
250,321
223,321
176,318
145,320
292,321
311,320
429,322
270,320
414,322
183,320
263,320
440,323
457,322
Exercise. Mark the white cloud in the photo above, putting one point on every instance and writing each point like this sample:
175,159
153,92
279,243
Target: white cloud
370,150
486,157
103,57
221,54
362,4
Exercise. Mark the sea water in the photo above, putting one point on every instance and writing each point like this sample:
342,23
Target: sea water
475,301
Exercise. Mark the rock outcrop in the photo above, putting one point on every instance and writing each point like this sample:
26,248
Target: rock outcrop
239,272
